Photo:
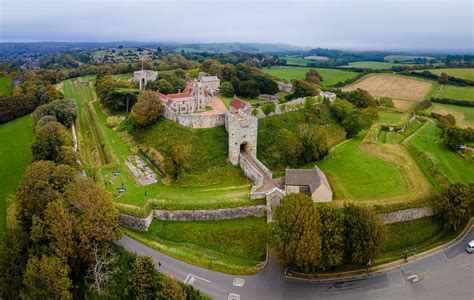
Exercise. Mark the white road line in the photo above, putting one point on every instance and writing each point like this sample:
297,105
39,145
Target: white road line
194,277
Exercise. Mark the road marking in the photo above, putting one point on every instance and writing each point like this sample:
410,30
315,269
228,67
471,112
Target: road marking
239,282
192,278
233,296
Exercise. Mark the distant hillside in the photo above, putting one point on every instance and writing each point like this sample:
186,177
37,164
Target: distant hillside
240,47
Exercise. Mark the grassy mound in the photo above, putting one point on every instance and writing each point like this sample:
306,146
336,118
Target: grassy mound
15,155
233,246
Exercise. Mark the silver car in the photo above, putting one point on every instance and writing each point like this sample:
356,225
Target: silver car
470,247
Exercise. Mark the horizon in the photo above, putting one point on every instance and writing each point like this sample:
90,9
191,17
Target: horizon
335,25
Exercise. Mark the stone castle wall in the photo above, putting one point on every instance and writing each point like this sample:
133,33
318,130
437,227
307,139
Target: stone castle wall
242,130
194,120
281,108
193,215
406,214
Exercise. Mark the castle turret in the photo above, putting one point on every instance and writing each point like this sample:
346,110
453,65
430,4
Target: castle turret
242,129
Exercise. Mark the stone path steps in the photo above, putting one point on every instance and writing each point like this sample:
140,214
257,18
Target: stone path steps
268,183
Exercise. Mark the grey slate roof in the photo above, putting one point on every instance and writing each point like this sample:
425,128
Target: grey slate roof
313,178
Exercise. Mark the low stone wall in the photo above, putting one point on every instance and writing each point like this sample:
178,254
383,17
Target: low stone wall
194,120
193,215
282,108
250,171
406,214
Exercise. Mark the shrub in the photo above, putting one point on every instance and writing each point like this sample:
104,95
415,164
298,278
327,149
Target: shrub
268,108
227,90
255,112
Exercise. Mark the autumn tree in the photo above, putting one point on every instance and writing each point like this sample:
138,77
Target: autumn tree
171,289
297,233
360,98
42,183
143,280
443,78
147,109
364,233
313,76
65,111
332,237
455,204
49,141
212,67
46,277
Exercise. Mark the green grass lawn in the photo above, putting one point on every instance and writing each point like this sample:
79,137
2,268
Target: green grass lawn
355,175
6,85
296,60
410,234
233,246
389,117
465,73
330,76
456,92
15,155
391,58
452,165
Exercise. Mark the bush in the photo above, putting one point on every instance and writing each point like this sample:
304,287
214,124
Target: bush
423,105
255,112
227,90
453,101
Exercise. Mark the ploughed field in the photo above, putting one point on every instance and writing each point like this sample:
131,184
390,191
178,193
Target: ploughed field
404,91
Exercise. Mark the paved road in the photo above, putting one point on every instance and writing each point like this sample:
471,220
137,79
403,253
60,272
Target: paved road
445,275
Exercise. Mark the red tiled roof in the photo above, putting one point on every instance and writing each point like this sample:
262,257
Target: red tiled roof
179,95
237,103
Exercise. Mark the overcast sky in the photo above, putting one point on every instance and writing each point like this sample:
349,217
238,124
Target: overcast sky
348,24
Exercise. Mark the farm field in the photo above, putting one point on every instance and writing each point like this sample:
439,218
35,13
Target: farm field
15,155
232,246
403,90
389,117
355,175
217,185
6,85
442,161
456,92
464,115
373,65
465,73
391,58
296,60
330,76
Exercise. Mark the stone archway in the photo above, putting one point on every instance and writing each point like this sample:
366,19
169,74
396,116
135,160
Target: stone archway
243,147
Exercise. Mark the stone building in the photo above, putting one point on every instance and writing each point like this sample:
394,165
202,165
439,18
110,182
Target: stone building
312,182
143,76
195,97
242,129
328,95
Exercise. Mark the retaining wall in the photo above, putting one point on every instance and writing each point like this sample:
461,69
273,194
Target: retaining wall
406,214
193,215
194,120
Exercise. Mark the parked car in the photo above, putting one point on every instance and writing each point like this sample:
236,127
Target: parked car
470,247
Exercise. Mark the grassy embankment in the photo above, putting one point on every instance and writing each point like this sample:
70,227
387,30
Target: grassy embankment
231,246
6,85
210,182
15,155
330,76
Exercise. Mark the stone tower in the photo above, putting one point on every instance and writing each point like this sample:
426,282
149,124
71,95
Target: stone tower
242,129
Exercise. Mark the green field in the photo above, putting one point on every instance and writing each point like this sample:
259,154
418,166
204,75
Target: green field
456,92
296,60
15,155
211,182
330,76
391,58
464,115
440,159
6,85
355,175
372,65
232,246
465,73
389,117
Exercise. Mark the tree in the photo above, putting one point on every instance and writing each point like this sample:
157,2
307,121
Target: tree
360,98
147,109
47,278
49,141
143,279
65,112
455,204
289,147
454,136
42,183
100,272
315,142
332,237
212,67
297,233
266,85
177,159
364,233
49,93
443,78
67,156
302,89
120,99
162,85
354,122
340,108
248,88
313,76
385,102
171,289
227,90
13,259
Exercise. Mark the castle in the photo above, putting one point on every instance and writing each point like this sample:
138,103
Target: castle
143,76
195,97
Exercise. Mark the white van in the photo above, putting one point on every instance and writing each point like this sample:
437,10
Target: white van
470,247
